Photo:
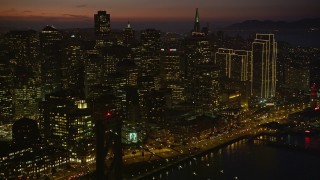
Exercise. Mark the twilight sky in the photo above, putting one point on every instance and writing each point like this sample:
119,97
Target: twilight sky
154,13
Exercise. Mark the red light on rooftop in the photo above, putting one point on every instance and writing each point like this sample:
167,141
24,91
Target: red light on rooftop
108,114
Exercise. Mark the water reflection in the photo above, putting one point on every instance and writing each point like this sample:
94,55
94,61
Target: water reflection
243,160
307,142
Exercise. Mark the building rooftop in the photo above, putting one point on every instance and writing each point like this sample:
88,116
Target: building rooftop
49,28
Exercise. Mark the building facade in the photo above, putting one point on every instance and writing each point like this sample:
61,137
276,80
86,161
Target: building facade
264,49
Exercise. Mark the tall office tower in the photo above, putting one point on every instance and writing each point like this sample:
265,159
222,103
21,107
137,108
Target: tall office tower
145,86
171,73
26,93
117,81
264,49
128,35
150,49
73,63
92,71
235,67
170,65
197,51
24,46
110,60
196,28
66,121
155,103
6,85
111,56
102,30
234,64
206,88
241,65
223,60
6,95
130,70
51,59
102,24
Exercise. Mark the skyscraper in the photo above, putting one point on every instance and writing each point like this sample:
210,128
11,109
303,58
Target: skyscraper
206,88
264,49
197,51
242,60
235,64
196,28
25,45
102,23
171,73
150,51
223,60
26,87
6,95
50,54
145,85
26,93
73,63
128,35
170,65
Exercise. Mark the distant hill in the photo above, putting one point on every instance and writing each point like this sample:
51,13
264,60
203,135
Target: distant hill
6,29
268,24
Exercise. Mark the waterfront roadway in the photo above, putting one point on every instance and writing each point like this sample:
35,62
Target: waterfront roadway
158,159
252,127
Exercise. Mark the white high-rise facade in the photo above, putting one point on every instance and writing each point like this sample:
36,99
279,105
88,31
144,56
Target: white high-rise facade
264,50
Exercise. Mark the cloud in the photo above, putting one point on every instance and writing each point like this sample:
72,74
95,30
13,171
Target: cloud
75,16
9,10
27,11
81,5
30,18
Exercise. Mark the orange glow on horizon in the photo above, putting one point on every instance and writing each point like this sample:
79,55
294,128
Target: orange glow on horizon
32,13
132,14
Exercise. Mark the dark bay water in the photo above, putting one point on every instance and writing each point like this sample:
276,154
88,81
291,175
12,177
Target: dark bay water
243,160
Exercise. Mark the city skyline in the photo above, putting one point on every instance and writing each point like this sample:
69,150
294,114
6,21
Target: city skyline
34,14
111,104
